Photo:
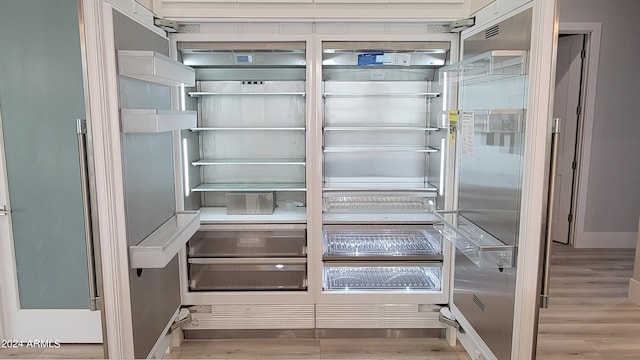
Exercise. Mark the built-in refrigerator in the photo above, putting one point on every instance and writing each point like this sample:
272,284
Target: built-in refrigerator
328,183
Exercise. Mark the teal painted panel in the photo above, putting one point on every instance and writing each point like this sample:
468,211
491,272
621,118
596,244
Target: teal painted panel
41,95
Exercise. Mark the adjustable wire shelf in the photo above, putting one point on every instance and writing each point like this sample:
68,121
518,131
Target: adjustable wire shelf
382,278
390,242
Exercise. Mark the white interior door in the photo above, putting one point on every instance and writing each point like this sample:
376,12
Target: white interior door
566,107
44,277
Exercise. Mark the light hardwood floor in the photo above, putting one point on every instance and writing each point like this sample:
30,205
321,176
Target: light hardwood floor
589,314
589,318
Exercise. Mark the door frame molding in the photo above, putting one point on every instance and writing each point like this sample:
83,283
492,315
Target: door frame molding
593,30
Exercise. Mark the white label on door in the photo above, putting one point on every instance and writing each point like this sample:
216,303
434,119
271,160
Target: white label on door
466,132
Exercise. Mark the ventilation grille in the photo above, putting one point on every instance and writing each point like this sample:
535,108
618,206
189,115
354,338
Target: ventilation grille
492,31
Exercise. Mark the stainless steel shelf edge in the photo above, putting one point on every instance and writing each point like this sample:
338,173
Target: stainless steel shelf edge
380,128
385,259
154,67
420,94
157,249
228,161
202,93
248,261
250,187
247,129
343,149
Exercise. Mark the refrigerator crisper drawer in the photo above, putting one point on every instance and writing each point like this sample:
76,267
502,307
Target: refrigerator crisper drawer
382,243
379,277
245,277
271,243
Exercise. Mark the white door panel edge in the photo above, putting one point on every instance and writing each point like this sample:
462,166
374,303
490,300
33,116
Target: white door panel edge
542,60
470,339
103,107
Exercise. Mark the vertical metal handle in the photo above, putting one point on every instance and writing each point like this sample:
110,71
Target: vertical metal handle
546,266
86,202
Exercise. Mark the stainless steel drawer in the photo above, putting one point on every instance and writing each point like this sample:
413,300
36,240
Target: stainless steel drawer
265,243
256,274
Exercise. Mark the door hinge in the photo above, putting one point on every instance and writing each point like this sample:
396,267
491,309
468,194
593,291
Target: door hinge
457,26
81,126
583,54
578,110
94,303
570,219
574,165
169,26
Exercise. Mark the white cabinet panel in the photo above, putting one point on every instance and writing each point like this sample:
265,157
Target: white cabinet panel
476,5
427,1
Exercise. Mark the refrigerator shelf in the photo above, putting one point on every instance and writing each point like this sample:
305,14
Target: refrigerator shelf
489,66
380,128
218,215
345,278
250,187
154,67
247,161
248,129
207,93
378,186
381,242
480,247
417,149
155,121
157,249
379,203
384,94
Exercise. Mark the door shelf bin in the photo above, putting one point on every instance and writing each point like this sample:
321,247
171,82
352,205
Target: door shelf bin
259,276
381,276
266,243
382,243
154,67
157,249
479,246
486,66
155,121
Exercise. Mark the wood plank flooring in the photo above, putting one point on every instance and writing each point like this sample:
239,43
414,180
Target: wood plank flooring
589,317
589,314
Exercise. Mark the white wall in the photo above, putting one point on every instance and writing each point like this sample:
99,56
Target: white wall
613,192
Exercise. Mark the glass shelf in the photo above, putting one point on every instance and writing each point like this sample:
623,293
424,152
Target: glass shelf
206,93
476,244
338,149
216,215
154,67
261,161
377,277
248,129
381,186
250,187
380,128
390,203
382,243
389,94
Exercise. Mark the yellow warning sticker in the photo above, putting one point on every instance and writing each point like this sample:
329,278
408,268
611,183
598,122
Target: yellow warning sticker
453,125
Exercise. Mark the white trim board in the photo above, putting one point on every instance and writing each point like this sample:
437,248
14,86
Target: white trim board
594,30
634,291
607,240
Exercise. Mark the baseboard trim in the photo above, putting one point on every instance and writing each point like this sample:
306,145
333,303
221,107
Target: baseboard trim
634,291
606,240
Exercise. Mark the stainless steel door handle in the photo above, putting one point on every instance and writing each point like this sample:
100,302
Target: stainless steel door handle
548,234
4,211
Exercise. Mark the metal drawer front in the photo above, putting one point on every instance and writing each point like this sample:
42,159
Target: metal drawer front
248,243
382,243
235,277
